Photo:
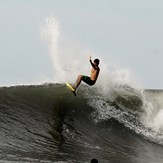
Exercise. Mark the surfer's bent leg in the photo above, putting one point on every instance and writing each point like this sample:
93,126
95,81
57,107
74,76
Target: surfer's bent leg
85,79
78,81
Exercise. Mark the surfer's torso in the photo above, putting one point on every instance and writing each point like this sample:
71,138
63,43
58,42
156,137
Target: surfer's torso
94,73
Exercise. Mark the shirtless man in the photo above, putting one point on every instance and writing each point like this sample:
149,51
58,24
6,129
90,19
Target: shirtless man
93,76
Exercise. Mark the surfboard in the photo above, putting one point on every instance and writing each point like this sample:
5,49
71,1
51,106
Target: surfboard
69,86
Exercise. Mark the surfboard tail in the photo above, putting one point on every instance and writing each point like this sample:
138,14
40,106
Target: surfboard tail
69,86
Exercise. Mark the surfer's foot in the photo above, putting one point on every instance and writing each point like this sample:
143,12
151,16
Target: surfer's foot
74,93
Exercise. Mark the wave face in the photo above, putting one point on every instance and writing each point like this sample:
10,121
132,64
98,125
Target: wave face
47,123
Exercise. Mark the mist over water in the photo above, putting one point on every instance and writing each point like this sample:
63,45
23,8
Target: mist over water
67,59
153,116
50,33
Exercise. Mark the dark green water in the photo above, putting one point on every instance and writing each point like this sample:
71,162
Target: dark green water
47,123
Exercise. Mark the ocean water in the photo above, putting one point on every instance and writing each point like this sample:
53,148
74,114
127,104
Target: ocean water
46,123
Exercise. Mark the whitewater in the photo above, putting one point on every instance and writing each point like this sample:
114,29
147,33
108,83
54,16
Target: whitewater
114,121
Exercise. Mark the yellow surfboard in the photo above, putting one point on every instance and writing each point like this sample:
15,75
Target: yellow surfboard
69,86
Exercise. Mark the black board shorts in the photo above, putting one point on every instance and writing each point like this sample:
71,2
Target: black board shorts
88,80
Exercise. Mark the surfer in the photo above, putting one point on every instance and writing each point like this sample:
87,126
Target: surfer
93,76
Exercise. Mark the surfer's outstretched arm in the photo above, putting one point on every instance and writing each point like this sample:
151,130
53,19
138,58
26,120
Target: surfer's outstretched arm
93,65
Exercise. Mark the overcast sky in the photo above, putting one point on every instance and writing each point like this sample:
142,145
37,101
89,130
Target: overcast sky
126,32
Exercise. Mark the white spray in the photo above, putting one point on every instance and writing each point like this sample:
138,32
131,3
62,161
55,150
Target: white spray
153,116
68,60
50,32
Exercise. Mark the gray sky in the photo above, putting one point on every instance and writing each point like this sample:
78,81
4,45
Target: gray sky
128,33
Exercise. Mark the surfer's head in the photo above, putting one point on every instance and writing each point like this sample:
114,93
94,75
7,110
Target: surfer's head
97,61
94,160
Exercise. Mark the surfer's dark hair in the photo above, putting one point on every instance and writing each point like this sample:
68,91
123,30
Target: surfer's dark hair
97,61
94,160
